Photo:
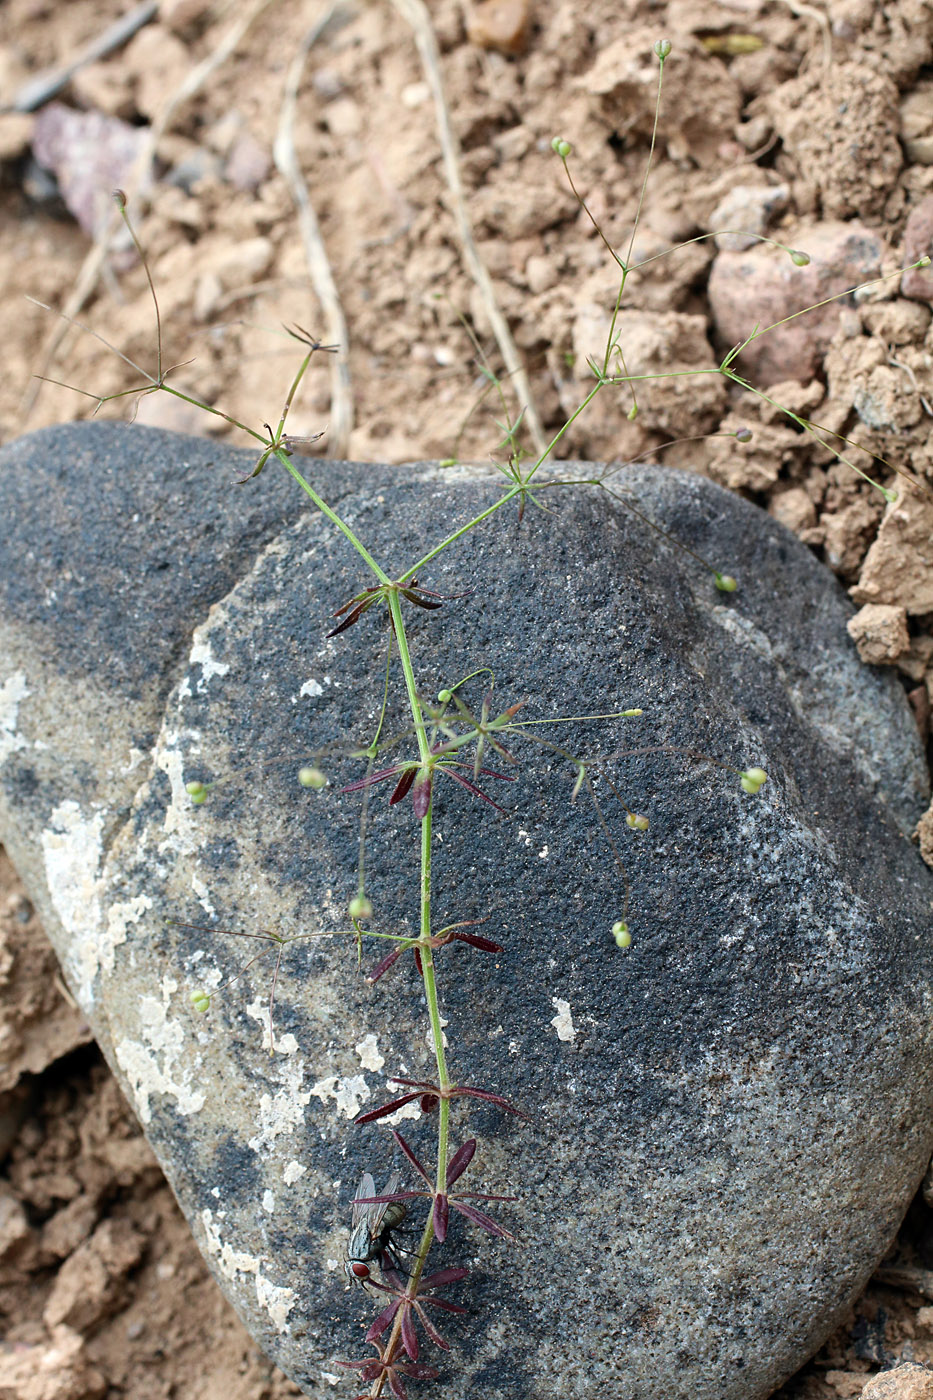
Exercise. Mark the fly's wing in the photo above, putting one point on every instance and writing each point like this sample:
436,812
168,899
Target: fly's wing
391,1185
377,1212
367,1187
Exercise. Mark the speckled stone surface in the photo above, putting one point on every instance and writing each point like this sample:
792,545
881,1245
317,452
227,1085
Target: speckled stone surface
729,1117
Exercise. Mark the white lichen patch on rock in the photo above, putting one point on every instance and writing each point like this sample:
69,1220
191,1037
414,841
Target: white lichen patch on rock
563,1021
161,1060
292,1172
201,655
180,823
13,690
283,1110
369,1053
348,1094
121,916
72,847
202,893
311,688
258,1010
277,1302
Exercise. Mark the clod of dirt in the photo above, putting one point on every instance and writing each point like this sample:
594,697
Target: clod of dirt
880,633
89,1286
905,1382
154,58
15,1230
668,343
841,126
622,86
917,282
899,565
917,123
916,661
182,15
794,508
500,24
104,87
748,208
543,204
775,444
762,286
896,322
884,389
56,1370
15,134
753,465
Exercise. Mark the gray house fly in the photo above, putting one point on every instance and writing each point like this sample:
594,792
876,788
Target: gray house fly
371,1228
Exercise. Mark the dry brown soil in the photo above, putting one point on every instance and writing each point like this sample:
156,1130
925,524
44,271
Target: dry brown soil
102,1293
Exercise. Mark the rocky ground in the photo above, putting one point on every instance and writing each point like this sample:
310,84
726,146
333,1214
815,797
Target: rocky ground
813,124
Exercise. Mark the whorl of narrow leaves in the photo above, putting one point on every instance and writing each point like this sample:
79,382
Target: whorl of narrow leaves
430,1096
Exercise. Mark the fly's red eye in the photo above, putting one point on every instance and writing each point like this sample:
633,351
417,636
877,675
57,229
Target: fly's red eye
359,1270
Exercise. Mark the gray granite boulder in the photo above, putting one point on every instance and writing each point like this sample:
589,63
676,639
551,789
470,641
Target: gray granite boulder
729,1117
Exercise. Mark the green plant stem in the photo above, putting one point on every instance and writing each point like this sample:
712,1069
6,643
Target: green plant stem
427,971
196,403
332,515
427,953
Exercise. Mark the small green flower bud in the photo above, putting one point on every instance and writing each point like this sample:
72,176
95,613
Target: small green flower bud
632,413
194,788
448,462
798,258
561,147
312,778
662,48
637,822
923,262
743,434
632,714
725,583
445,696
752,779
360,907
889,494
200,1001
621,934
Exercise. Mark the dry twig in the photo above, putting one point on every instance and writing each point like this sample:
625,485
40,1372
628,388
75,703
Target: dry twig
417,16
322,279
